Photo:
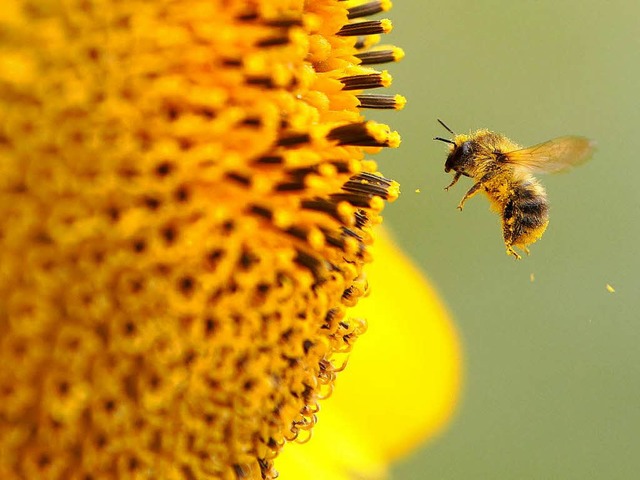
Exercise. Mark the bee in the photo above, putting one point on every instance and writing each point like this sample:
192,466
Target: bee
503,170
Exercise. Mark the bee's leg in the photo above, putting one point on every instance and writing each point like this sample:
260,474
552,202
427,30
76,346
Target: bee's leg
526,250
511,251
455,180
472,191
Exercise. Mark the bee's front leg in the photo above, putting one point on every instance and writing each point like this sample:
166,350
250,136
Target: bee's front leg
472,191
454,181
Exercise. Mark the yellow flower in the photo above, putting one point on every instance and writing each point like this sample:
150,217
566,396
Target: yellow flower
401,384
185,213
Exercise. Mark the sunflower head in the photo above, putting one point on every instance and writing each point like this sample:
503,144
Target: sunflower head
185,211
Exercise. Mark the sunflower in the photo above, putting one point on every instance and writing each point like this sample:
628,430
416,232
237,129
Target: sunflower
186,207
401,384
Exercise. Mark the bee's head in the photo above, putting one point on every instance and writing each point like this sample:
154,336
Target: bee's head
460,158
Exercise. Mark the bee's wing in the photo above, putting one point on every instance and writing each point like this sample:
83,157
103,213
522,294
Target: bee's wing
553,156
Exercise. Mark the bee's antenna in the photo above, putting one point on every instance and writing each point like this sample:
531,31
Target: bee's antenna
447,128
445,140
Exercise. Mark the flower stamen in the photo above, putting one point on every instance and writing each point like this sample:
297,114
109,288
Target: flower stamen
369,8
369,27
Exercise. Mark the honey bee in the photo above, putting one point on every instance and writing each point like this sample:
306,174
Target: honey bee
503,170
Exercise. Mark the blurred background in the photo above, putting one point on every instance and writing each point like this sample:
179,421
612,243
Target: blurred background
552,366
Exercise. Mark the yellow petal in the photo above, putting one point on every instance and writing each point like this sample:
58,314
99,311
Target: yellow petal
401,385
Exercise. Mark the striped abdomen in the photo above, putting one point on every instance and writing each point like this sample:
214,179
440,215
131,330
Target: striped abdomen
525,215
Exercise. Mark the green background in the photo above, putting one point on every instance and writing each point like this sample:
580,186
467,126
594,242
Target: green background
552,367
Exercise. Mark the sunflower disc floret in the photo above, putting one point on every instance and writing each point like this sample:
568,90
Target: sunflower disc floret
185,211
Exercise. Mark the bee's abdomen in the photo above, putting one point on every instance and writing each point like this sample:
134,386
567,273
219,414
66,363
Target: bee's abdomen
525,215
